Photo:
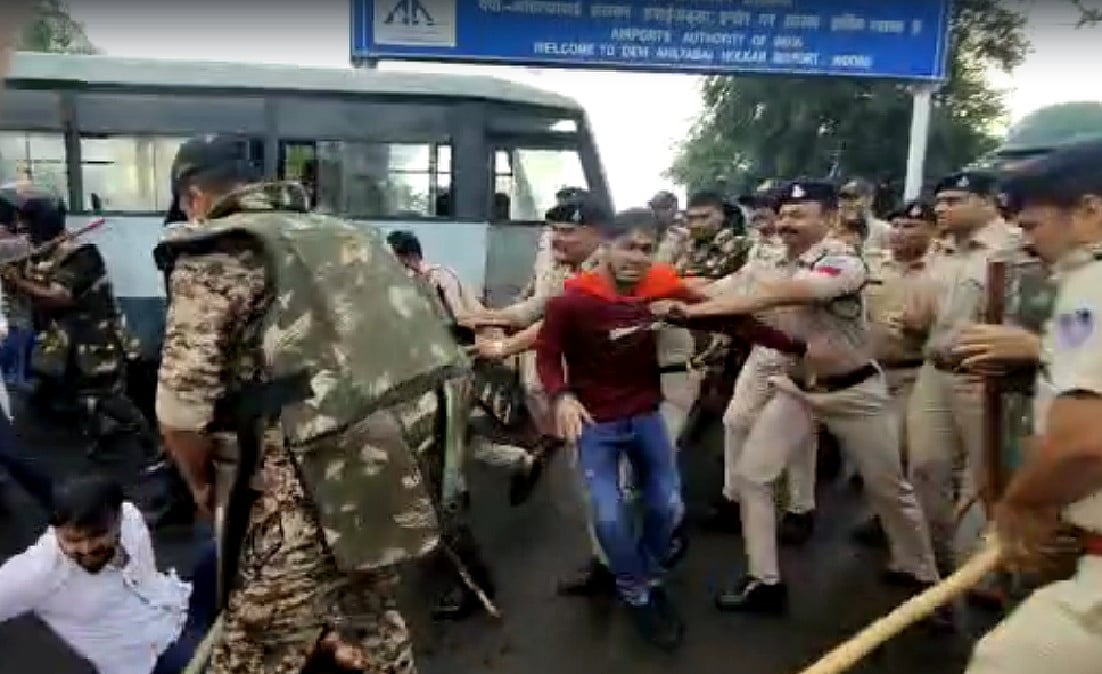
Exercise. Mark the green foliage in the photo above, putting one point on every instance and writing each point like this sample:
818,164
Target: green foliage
1088,16
53,30
757,128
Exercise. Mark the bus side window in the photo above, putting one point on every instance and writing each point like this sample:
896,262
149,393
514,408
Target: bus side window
35,158
298,162
366,180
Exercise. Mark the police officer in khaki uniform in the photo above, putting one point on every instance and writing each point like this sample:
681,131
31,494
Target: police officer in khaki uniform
897,273
822,301
1059,203
856,217
573,246
945,413
767,262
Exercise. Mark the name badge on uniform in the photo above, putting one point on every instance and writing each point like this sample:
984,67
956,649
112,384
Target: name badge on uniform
1074,328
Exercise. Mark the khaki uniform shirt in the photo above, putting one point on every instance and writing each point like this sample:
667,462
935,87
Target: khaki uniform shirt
959,272
1072,347
891,285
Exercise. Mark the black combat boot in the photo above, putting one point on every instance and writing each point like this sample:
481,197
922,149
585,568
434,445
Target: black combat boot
750,595
593,580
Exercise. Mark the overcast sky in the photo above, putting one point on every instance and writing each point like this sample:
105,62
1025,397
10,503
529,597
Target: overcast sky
637,118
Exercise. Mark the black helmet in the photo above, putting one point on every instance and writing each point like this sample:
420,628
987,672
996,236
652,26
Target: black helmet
39,214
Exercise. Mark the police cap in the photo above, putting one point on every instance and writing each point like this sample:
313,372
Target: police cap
980,183
801,191
213,158
915,210
1060,178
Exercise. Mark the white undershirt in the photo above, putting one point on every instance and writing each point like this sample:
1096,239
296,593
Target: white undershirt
120,619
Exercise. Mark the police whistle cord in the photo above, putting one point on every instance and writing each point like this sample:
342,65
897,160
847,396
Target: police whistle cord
918,608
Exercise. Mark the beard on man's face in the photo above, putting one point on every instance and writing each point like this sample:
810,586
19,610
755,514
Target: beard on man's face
96,560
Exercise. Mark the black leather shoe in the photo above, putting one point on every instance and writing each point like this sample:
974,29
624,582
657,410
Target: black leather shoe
595,580
658,622
870,533
723,517
750,595
797,528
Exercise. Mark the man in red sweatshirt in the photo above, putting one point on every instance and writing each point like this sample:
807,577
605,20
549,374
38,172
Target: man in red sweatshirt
600,331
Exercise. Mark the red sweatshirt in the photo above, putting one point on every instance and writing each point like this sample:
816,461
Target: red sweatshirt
614,373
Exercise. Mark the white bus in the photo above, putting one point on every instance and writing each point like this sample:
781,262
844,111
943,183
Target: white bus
468,163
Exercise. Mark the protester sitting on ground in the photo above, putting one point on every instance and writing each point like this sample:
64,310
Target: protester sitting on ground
92,578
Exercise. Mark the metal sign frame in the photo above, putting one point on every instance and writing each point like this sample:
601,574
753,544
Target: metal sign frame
890,39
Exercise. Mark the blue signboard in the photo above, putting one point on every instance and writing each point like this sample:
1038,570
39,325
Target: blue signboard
905,39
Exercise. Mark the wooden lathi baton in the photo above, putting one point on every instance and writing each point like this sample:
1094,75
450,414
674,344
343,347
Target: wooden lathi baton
916,609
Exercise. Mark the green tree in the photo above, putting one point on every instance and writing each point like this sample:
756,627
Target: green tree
53,30
757,128
1088,16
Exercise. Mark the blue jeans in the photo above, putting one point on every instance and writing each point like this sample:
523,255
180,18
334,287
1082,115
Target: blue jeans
15,356
200,615
636,561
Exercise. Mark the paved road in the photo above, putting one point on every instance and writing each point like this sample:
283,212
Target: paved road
835,593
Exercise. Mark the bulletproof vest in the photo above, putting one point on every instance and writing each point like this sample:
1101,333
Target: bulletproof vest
358,339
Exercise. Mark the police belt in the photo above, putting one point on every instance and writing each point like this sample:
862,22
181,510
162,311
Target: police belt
902,364
840,382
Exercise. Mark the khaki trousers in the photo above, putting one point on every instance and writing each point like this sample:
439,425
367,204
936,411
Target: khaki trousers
945,448
752,392
862,419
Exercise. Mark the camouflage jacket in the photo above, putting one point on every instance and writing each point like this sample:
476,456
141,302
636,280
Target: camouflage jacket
711,259
334,310
91,334
714,258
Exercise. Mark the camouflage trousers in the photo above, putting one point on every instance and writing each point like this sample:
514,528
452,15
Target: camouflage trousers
288,592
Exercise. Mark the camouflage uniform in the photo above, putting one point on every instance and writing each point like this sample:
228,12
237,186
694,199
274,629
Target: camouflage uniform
84,348
91,336
339,500
711,259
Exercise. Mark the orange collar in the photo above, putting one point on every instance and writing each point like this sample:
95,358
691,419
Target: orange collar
660,282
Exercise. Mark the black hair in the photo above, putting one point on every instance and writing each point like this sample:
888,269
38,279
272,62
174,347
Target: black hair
631,220
90,503
707,198
404,242
44,218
